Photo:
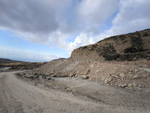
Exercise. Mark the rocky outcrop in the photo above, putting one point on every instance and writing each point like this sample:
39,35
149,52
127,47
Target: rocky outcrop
131,46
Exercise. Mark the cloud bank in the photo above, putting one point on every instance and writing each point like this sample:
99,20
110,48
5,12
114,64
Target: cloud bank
69,24
26,55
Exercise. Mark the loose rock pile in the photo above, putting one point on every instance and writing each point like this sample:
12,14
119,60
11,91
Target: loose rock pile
131,79
109,73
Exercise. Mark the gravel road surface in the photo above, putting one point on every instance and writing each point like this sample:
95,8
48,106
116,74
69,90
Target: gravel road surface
18,96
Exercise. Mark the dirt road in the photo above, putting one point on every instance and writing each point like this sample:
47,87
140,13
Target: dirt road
17,96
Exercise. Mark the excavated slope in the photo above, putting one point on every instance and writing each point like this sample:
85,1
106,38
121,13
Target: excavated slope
131,46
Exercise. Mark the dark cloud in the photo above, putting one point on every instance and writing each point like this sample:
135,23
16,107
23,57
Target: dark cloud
28,16
46,16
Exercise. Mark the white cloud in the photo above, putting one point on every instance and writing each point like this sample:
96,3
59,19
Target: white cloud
53,22
133,15
81,40
93,13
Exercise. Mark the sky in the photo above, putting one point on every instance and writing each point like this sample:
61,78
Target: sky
42,30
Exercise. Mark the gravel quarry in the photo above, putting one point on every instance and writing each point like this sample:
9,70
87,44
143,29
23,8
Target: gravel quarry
110,76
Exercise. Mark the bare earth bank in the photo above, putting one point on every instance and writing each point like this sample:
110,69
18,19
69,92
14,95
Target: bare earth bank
68,95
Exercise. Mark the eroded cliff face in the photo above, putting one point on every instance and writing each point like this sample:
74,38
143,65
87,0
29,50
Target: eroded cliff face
131,46
97,62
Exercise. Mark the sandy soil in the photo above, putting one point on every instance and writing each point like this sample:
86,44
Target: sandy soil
80,96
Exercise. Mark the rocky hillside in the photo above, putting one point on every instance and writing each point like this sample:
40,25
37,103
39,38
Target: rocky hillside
132,46
120,61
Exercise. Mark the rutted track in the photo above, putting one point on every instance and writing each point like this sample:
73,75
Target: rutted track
17,96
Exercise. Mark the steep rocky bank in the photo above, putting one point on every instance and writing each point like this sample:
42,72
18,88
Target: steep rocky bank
132,46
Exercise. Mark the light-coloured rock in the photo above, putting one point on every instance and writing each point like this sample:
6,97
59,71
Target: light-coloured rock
135,76
84,76
123,85
134,85
115,76
68,89
107,80
122,75
130,85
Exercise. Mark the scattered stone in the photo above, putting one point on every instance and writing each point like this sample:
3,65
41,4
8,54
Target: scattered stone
68,89
123,85
135,76
107,80
134,85
85,77
48,77
90,79
114,76
122,75
130,85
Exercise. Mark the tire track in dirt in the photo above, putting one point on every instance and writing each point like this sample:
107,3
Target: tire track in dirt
17,96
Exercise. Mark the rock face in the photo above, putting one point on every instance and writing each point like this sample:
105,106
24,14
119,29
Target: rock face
131,46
